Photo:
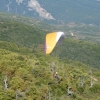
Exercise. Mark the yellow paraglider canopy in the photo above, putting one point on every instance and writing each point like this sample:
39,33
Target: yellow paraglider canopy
52,39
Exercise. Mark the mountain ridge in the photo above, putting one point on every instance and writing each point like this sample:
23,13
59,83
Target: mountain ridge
27,73
60,12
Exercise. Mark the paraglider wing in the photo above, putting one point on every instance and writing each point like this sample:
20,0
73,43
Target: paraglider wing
53,39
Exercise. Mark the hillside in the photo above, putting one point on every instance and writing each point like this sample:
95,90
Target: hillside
78,50
60,12
22,35
65,11
27,75
33,37
80,31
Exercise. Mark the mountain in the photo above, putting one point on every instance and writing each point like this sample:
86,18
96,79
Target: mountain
24,35
79,31
27,73
61,12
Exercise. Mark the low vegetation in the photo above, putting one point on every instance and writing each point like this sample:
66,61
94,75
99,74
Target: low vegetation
27,74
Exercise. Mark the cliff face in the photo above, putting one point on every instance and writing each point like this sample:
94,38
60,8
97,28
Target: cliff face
25,7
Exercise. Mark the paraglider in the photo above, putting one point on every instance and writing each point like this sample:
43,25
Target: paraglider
53,39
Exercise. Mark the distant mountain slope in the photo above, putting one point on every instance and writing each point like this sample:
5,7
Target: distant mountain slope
61,12
79,30
84,11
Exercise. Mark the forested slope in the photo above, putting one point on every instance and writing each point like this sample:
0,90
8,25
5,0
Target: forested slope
77,50
80,30
22,35
34,37
26,74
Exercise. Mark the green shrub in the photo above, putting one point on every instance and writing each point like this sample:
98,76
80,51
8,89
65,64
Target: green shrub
95,88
